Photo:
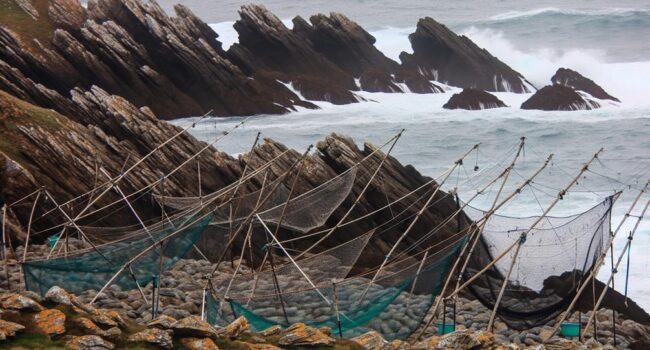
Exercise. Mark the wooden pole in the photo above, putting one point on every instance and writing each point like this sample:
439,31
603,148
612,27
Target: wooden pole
336,308
474,235
4,244
415,220
363,191
522,238
597,264
618,263
29,224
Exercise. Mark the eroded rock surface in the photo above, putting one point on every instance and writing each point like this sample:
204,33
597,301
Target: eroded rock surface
573,79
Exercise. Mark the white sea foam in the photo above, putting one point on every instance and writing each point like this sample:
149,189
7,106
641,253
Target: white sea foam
615,11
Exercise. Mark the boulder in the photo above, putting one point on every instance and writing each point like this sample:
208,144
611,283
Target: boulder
199,344
236,328
89,342
162,322
397,345
559,98
89,327
442,55
371,340
20,303
194,326
153,336
472,99
256,346
9,329
50,321
58,295
577,81
299,334
273,330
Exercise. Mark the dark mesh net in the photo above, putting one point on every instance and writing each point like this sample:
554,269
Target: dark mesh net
91,269
549,267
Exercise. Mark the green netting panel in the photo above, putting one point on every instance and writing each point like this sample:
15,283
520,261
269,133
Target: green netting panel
90,269
394,306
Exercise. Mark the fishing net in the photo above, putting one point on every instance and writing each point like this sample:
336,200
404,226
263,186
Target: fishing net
91,269
549,267
300,214
334,263
394,305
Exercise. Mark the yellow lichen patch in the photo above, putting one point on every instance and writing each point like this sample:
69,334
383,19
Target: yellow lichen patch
199,344
50,322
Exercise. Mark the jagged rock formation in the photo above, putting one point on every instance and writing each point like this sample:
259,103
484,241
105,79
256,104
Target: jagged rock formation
559,98
442,55
175,66
573,79
472,99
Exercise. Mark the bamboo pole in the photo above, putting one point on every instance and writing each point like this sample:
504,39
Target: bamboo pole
180,229
479,224
597,264
415,220
29,224
522,238
615,268
365,188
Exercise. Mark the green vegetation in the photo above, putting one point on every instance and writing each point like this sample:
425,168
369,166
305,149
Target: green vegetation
32,341
21,23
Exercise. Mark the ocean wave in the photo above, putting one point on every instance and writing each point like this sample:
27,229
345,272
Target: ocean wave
554,11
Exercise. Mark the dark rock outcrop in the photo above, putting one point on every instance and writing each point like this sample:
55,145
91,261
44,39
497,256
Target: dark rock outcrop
473,99
267,46
442,55
176,66
573,79
559,98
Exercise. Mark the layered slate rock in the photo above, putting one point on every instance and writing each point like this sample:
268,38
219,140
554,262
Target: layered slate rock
559,98
577,81
472,99
442,55
176,66
268,48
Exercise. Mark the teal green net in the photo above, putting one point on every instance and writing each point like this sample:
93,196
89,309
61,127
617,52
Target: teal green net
91,269
394,305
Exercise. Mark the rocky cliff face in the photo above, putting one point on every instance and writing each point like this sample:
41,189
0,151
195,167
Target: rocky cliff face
442,55
177,67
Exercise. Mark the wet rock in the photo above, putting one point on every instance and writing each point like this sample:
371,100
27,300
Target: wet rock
21,303
58,295
375,80
577,81
472,99
9,329
89,342
371,340
559,98
199,344
153,336
442,55
301,335
50,322
193,326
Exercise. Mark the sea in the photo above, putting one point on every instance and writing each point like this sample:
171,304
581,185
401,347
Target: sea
607,41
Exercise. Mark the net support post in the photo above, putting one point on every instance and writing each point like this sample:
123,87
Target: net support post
336,307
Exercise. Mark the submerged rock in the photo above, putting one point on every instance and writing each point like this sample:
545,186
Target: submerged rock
559,98
573,79
472,99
